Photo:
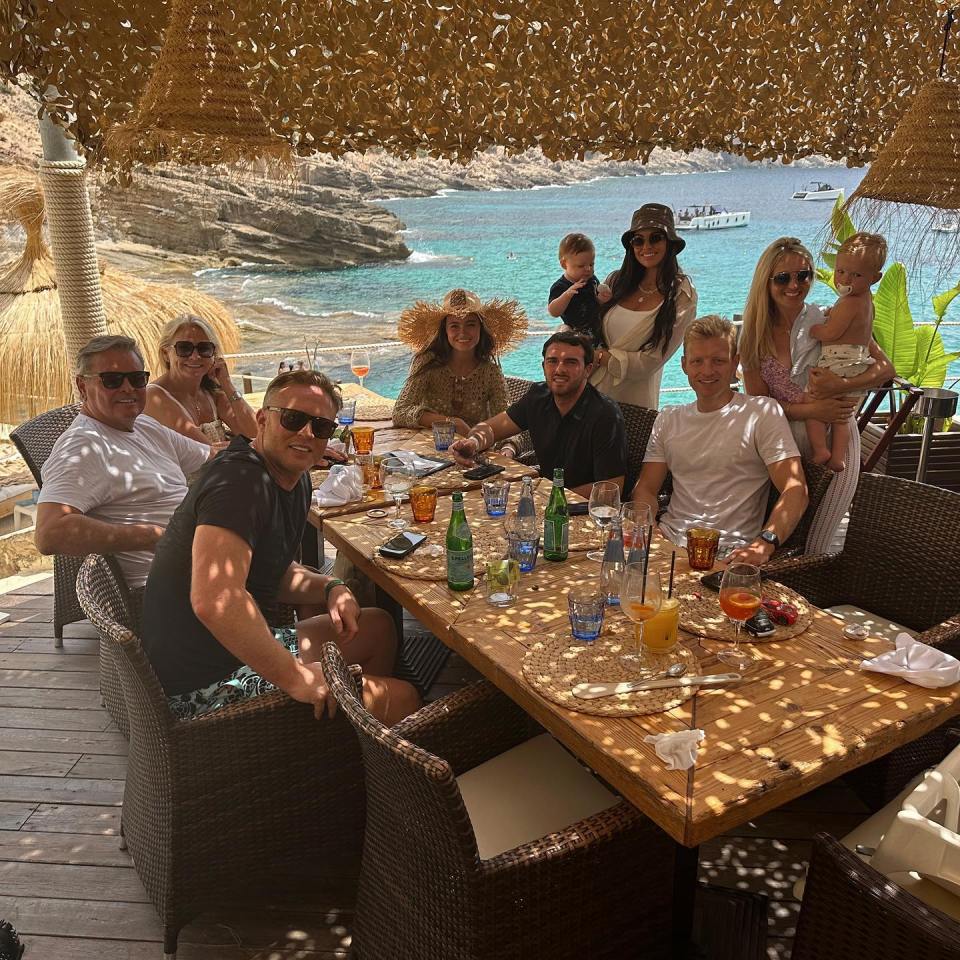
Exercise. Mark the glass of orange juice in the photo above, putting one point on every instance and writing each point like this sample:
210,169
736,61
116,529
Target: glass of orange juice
640,599
660,631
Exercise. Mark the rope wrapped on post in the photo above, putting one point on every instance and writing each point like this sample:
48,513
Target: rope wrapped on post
74,251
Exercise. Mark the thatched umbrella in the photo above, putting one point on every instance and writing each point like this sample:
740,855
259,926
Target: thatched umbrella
35,374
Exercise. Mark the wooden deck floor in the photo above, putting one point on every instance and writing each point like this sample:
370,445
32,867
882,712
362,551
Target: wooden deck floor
74,895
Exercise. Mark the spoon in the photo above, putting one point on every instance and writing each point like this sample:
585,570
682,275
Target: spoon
674,670
592,691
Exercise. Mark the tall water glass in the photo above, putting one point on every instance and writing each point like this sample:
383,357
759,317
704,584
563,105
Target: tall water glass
604,508
641,596
636,520
397,478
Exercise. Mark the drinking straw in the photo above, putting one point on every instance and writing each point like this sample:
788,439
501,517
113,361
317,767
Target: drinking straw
646,564
673,563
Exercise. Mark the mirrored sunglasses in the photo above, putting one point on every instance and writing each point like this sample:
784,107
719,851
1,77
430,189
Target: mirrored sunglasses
640,241
113,379
185,348
783,278
294,421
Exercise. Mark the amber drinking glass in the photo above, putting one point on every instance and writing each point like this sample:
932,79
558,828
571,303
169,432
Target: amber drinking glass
702,544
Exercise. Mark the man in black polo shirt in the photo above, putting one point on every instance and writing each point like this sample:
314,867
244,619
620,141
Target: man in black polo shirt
571,424
229,549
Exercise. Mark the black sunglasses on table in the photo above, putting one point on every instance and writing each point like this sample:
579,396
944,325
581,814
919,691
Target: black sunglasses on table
783,278
185,348
294,421
639,241
113,379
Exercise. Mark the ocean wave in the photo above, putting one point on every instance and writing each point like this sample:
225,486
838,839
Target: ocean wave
348,313
425,256
286,307
550,186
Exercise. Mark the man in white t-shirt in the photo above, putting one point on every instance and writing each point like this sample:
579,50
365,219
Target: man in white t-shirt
723,451
114,478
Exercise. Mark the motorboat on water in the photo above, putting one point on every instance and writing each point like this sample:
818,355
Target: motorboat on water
817,190
946,223
709,217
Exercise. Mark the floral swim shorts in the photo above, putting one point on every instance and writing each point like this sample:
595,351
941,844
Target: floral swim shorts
243,684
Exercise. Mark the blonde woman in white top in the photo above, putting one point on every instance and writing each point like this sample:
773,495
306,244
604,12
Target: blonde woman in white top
651,306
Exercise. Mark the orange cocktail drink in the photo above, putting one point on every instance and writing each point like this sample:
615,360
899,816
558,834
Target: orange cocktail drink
739,604
660,631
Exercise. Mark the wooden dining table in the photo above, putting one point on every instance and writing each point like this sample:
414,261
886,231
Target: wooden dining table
803,714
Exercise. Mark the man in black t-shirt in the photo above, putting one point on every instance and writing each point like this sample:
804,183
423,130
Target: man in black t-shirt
229,549
572,425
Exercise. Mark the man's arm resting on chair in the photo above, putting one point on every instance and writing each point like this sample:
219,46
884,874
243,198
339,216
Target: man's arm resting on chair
64,529
787,476
222,603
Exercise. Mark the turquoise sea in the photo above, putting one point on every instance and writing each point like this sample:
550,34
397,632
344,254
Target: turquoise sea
503,244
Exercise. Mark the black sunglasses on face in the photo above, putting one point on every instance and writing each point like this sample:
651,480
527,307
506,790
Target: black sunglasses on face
185,348
639,241
783,278
294,420
113,379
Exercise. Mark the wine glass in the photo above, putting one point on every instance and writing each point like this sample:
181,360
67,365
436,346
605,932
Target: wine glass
637,521
740,596
604,507
398,478
641,596
360,364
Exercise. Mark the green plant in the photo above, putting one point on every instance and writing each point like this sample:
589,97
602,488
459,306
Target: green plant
916,350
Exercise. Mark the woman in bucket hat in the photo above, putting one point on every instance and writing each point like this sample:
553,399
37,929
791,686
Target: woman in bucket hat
652,304
456,371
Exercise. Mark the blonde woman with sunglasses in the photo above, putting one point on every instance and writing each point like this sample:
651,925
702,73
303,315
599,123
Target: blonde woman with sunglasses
194,394
779,358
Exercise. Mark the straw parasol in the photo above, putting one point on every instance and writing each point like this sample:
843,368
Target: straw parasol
34,370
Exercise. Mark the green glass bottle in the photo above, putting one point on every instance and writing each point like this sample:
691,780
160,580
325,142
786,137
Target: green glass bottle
556,521
459,548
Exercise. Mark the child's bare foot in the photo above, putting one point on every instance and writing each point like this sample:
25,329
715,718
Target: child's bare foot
822,456
837,464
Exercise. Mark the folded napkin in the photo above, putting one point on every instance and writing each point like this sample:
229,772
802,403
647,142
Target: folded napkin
342,485
336,446
917,662
410,459
678,749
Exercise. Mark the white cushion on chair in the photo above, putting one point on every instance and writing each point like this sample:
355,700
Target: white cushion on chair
532,790
878,626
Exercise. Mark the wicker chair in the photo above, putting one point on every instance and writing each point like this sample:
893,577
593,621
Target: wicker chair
522,442
599,888
638,422
818,480
899,562
258,799
35,439
852,912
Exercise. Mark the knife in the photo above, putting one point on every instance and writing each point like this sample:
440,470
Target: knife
593,691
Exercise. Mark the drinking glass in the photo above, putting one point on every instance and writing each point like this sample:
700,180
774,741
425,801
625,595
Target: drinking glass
641,596
397,478
740,596
585,606
360,364
347,412
423,502
702,544
636,523
362,439
495,493
604,506
502,581
523,540
443,433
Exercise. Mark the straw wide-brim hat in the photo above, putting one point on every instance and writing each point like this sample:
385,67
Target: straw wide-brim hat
504,319
653,216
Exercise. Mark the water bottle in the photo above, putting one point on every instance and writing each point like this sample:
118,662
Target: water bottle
611,570
459,548
526,507
556,521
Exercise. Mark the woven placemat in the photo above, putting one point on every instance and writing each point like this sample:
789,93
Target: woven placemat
420,565
555,665
374,411
700,611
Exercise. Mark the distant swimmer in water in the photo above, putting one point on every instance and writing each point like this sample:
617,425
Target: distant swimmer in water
512,256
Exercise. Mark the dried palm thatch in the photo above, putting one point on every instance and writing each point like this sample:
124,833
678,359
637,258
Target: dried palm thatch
765,79
199,105
34,370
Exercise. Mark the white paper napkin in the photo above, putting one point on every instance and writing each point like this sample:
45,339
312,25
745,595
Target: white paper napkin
343,485
679,750
917,662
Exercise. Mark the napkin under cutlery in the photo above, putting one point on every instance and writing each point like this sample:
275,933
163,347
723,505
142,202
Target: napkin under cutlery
917,662
679,750
342,485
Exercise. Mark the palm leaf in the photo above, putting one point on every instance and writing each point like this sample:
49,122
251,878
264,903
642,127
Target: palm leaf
893,322
943,300
840,222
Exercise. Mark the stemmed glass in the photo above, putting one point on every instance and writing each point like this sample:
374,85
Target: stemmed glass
398,478
360,364
636,522
641,596
604,507
740,595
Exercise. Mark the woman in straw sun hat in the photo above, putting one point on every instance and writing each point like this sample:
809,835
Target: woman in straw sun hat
455,372
651,305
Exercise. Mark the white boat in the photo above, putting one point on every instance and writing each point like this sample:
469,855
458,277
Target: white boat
946,223
817,190
709,217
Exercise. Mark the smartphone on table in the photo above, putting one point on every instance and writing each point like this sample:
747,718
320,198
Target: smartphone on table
402,544
482,471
